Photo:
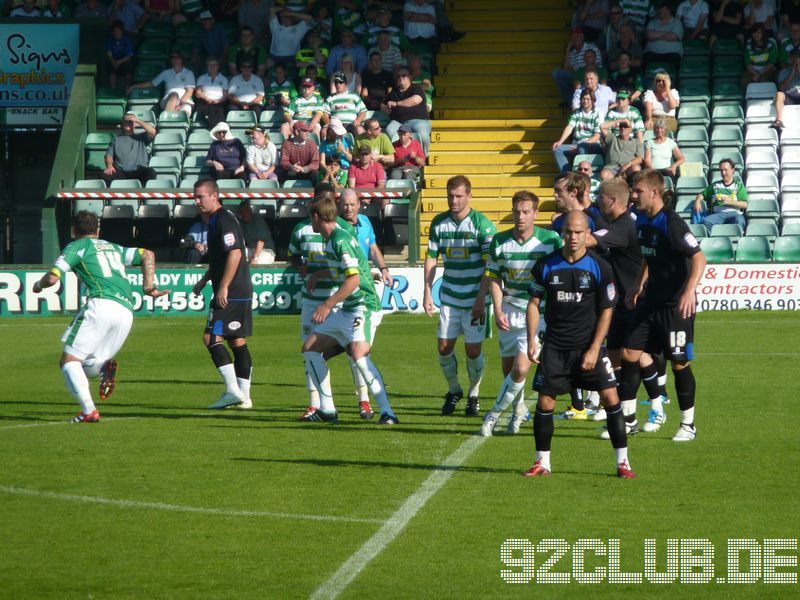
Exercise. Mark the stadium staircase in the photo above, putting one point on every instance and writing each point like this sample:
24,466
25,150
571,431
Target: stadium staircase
496,107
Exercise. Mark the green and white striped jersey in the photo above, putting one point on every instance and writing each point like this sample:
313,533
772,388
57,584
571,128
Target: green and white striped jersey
304,109
344,106
310,247
511,262
632,114
346,258
100,265
463,247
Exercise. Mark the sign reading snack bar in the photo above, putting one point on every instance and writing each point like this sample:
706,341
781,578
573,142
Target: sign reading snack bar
765,286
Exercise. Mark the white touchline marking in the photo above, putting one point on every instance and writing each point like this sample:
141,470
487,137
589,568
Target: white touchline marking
179,507
67,422
397,522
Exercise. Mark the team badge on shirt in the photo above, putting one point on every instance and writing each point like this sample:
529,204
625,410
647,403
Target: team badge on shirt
584,280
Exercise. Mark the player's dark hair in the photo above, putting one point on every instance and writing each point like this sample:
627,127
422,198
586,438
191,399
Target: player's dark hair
324,208
85,223
244,28
729,161
209,184
457,181
577,182
525,196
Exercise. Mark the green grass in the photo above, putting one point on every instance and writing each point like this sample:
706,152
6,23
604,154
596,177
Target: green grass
157,444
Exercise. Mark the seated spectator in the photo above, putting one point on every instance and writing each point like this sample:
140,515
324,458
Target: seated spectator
624,153
590,64
308,108
336,144
212,39
132,15
54,10
409,157
262,155
352,79
760,57
312,52
333,173
789,44
664,37
179,84
761,11
90,8
638,12
257,236
288,28
662,101
375,82
405,105
247,50
345,106
190,11
161,10
627,43
119,52
320,88
366,173
255,14
211,94
226,155
347,46
725,200
623,112
603,95
421,77
246,90
726,21
419,18
299,155
585,168
788,89
348,17
610,35
126,156
383,22
591,16
573,60
693,15
789,13
378,142
584,127
198,234
662,153
627,78
390,54
281,90
323,23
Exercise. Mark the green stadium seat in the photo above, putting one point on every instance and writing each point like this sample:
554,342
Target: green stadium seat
157,30
787,249
695,90
727,90
790,228
729,230
727,115
717,249
155,49
298,183
168,121
753,249
698,230
684,204
231,184
765,229
187,182
691,185
276,137
693,136
90,184
146,70
95,148
148,116
264,184
717,154
401,184
188,30
271,119
93,205
693,114
144,98
165,165
596,161
172,139
200,139
763,209
727,136
695,48
696,155
126,184
162,182
240,119
693,68
194,165
727,47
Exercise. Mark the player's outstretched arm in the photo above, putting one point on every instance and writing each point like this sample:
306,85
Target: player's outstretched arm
688,300
149,275
600,331
533,326
49,279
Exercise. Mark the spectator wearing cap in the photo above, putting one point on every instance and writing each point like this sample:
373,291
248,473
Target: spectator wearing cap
627,78
336,143
246,90
760,57
627,43
211,93
126,156
661,101
345,106
604,97
352,78
366,173
693,15
179,84
226,155
727,21
378,142
247,50
623,153
788,89
376,82
664,36
312,52
299,155
390,54
591,16
262,155
119,52
419,18
288,29
623,112
212,40
406,106
132,15
409,157
347,46
281,90
573,60
307,107
584,128
257,237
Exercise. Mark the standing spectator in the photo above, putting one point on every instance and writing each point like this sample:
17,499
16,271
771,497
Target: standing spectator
693,15
591,16
119,52
603,95
390,54
345,106
788,90
573,60
246,90
198,234
378,142
347,46
761,11
626,78
255,14
420,20
212,39
725,200
132,15
409,157
623,112
584,127
662,153
312,52
247,50
336,144
179,84
126,156
257,237
288,29
308,108
405,105
662,101
281,90
90,8
610,35
638,12
624,153
352,79
627,43
262,155
211,94
664,37
366,173
226,155
299,155
760,57
726,21
375,82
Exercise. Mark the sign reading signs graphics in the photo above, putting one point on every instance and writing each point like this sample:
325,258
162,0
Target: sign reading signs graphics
37,64
277,291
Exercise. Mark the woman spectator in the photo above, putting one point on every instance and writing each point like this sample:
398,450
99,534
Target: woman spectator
262,155
226,155
409,157
337,143
662,153
726,21
760,57
591,16
662,101
584,127
627,43
353,78
366,173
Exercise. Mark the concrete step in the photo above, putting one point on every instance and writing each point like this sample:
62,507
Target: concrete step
521,71
507,21
484,113
480,135
494,80
558,36
438,158
546,167
496,103
494,124
482,5
522,56
536,92
438,205
496,181
469,45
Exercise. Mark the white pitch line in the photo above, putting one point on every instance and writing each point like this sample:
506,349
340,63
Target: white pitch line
397,522
179,507
65,422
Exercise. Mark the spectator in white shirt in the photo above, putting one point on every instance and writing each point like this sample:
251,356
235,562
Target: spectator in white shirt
604,96
211,94
420,20
262,155
179,84
693,15
288,29
246,90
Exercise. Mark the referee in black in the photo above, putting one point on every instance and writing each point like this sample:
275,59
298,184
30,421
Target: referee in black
579,291
230,316
664,296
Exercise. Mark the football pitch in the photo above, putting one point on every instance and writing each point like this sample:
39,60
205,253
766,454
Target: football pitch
164,499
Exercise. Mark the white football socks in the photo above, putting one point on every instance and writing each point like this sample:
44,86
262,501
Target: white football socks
312,391
622,455
449,364
375,382
475,372
361,387
544,459
687,416
318,371
228,373
244,387
508,393
629,407
78,385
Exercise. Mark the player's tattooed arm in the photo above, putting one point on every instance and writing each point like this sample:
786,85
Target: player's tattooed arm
149,275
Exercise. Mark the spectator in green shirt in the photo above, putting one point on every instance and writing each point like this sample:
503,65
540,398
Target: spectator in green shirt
725,200
760,57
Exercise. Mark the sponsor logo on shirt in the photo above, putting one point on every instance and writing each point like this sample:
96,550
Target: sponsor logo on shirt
691,240
234,325
229,239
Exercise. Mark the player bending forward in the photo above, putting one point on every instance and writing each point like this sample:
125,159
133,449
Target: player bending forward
580,294
508,271
353,324
101,326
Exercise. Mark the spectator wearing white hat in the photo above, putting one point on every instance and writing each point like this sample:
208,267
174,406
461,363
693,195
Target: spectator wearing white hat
226,156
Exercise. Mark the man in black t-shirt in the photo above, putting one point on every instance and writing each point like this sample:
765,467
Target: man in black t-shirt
230,316
579,291
664,296
406,105
376,82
